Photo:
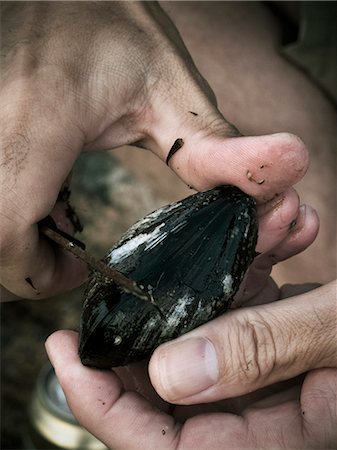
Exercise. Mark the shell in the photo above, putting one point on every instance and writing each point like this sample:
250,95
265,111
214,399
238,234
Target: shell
189,256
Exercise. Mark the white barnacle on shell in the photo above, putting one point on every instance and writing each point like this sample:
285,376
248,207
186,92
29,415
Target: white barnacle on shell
129,247
155,214
177,313
150,326
227,284
117,340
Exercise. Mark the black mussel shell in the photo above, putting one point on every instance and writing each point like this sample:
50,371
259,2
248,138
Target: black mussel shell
189,256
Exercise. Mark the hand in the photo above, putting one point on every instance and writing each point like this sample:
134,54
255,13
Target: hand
254,347
125,412
98,75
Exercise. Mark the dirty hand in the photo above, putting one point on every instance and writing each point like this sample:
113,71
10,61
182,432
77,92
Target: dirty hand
249,354
234,382
234,355
86,76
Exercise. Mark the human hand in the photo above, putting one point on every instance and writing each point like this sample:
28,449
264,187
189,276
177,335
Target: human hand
126,413
98,75
255,346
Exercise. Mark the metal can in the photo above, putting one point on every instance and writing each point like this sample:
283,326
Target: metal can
52,424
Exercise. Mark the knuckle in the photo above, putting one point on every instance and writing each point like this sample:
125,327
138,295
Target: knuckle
253,349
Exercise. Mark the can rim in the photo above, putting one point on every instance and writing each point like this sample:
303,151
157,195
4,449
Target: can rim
44,397
55,424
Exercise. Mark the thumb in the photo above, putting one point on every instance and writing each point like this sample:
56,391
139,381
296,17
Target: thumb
248,349
33,166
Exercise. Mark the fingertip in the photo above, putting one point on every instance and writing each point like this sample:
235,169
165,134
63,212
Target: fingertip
62,350
262,166
295,150
276,218
302,233
306,227
62,338
71,271
58,271
61,345
35,268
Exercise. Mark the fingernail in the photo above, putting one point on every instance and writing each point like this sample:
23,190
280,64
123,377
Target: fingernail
303,211
300,220
187,367
292,224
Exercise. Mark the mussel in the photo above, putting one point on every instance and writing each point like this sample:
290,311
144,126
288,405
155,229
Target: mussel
189,257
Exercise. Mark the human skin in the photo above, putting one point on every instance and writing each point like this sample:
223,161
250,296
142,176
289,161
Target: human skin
259,90
57,104
123,411
59,99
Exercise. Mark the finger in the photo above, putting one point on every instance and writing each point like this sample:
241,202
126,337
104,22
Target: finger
120,419
302,234
255,428
289,290
34,164
299,236
179,113
182,110
34,267
318,408
269,396
136,378
86,388
276,218
247,349
284,420
173,113
262,166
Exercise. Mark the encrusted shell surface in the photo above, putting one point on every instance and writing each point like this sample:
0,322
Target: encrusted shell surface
189,256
